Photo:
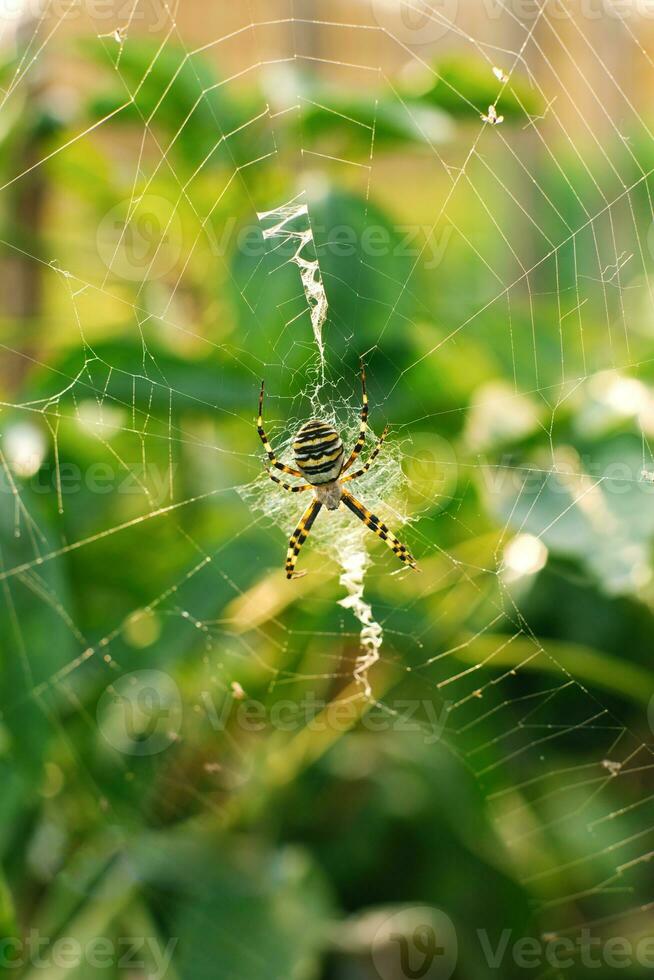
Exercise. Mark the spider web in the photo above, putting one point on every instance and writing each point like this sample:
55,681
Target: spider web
556,158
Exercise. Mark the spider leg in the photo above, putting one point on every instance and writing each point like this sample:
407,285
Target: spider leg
294,488
373,457
299,536
364,421
266,444
379,528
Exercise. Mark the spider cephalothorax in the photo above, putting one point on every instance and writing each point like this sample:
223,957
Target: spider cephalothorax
319,458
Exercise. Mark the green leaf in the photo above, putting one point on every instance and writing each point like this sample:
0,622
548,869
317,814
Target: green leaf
592,668
261,914
351,124
34,622
183,96
463,84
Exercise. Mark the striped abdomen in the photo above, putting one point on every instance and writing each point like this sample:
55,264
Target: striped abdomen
318,452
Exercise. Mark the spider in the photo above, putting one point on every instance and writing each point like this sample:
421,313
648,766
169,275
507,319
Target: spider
319,457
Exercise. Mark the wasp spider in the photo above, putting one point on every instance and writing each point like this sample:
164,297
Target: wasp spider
319,457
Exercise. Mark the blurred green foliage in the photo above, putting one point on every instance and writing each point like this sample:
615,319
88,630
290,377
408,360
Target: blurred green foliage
257,849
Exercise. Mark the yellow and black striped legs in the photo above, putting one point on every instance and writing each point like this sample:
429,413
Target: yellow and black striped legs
373,457
266,445
293,488
364,421
319,453
379,528
299,536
